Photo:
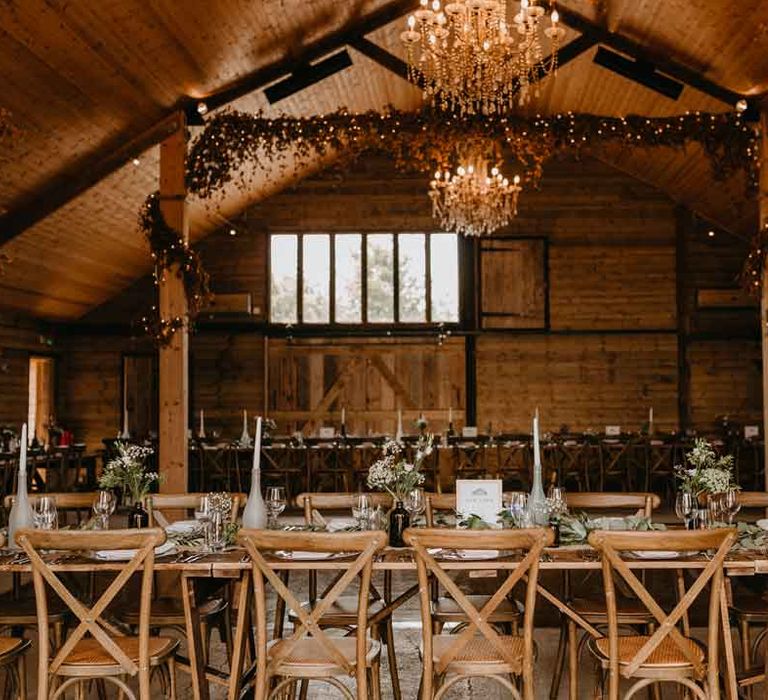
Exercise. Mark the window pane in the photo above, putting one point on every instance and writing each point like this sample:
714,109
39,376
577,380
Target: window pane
444,261
317,279
381,292
349,279
283,261
412,277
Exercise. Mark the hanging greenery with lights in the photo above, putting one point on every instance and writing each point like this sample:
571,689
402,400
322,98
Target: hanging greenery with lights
752,273
171,253
234,145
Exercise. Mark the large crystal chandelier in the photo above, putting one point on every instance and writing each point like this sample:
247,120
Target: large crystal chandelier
472,56
474,200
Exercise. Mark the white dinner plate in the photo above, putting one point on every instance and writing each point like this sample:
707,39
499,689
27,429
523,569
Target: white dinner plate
128,554
658,554
762,524
184,527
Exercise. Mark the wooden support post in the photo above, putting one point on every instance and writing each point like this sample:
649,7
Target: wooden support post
762,221
683,223
174,357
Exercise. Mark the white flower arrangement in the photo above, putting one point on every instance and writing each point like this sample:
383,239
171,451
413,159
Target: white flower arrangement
707,472
126,471
393,474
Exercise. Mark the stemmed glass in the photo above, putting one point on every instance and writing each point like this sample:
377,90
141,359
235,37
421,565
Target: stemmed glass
730,504
44,513
204,515
276,502
361,511
685,508
103,506
558,505
518,508
715,505
415,503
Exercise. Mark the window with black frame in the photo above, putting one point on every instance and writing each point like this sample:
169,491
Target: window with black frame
364,278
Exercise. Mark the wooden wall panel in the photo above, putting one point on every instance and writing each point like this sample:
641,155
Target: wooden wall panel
17,341
310,382
725,380
582,381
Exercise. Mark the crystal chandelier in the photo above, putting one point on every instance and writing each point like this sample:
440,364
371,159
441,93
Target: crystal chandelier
474,201
470,56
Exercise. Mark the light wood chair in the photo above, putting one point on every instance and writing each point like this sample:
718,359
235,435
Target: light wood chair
18,611
445,610
631,612
478,650
343,613
309,653
666,655
168,611
12,658
106,654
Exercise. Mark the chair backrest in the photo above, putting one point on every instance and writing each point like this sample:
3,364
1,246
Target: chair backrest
363,544
641,503
90,617
156,503
530,541
611,544
78,503
310,502
754,499
436,502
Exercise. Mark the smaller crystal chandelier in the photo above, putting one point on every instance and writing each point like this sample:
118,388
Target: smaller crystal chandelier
470,56
473,201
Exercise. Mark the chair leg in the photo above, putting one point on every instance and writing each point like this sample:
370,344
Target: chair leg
21,667
392,658
573,661
745,643
557,678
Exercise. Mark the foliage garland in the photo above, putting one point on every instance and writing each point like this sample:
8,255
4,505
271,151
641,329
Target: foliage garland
234,144
752,272
169,251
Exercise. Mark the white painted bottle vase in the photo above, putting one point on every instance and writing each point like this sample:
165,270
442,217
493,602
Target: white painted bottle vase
255,511
20,516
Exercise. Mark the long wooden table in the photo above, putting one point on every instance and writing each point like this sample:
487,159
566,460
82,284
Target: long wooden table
218,568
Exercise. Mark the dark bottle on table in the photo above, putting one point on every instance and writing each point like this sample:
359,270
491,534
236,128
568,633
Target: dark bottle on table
398,522
138,517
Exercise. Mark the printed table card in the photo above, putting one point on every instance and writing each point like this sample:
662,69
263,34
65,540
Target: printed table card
469,431
481,497
613,430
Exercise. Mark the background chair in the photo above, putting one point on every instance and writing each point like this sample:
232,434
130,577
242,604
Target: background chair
665,655
97,649
309,653
449,659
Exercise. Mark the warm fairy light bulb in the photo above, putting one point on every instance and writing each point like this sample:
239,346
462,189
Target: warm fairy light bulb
411,22
494,171
460,170
471,169
436,5
136,162
555,16
516,179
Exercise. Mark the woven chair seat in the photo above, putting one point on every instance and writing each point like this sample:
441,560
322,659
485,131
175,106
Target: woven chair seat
630,611
478,655
89,658
446,609
309,658
169,612
10,646
667,654
343,611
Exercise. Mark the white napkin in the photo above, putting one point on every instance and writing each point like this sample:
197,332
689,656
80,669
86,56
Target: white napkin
184,527
338,524
298,555
127,554
477,553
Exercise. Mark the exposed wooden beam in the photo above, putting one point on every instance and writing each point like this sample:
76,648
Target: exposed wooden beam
664,64
78,177
571,51
384,58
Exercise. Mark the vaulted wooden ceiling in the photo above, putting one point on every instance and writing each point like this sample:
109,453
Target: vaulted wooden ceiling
89,85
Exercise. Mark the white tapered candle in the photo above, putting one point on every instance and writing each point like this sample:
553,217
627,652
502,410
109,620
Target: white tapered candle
23,455
536,446
245,421
257,445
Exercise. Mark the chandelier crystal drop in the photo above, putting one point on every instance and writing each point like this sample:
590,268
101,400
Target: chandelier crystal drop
474,201
478,56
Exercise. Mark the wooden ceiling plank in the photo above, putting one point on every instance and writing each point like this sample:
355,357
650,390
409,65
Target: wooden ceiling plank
664,64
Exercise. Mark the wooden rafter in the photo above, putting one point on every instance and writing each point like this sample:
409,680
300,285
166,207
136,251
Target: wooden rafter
78,177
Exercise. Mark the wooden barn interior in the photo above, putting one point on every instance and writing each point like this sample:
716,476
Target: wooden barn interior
613,305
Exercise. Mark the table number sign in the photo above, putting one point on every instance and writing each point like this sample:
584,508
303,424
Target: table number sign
469,431
613,430
327,433
481,497
751,431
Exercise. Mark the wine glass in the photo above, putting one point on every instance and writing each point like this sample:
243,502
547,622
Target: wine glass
103,506
44,513
685,508
518,508
715,507
730,503
415,503
361,511
276,502
204,514
557,502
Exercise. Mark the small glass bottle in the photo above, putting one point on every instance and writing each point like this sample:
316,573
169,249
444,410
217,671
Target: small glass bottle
398,522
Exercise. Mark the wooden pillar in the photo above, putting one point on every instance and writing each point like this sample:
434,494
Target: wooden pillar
174,357
683,226
762,221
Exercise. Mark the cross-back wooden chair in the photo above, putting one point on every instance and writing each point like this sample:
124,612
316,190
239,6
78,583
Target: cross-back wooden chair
749,606
343,613
96,648
168,610
18,611
665,655
309,652
631,612
445,610
479,650
13,660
